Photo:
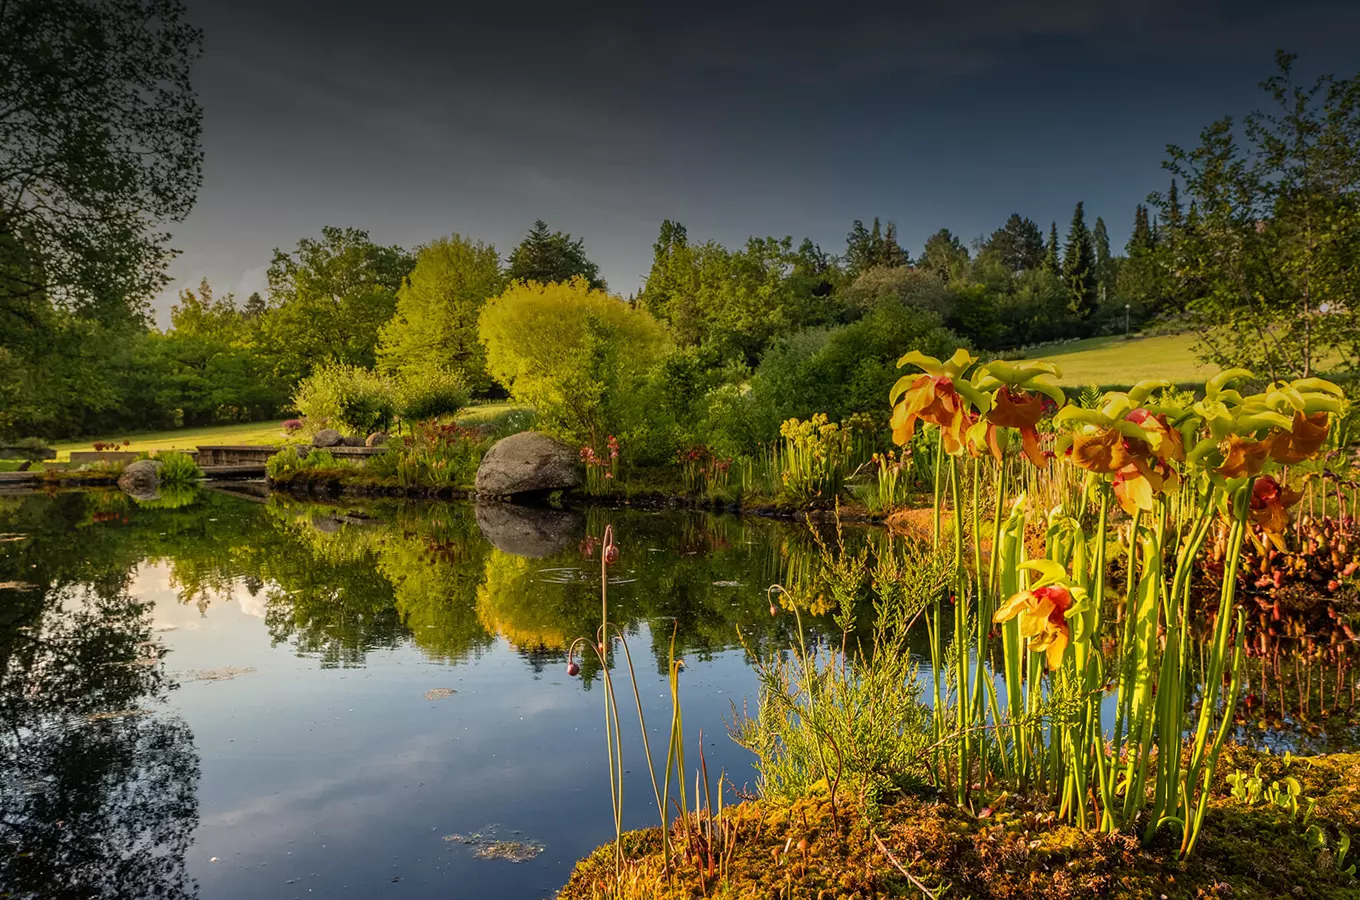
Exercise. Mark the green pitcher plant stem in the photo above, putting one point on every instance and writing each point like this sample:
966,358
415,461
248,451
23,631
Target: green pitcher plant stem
1180,487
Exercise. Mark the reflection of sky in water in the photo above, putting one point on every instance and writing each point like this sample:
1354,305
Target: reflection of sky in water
325,781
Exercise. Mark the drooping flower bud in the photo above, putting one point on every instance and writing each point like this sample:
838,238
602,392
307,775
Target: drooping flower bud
611,554
573,669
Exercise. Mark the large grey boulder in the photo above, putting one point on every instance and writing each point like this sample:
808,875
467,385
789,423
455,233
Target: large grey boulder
527,463
141,478
328,437
377,439
530,531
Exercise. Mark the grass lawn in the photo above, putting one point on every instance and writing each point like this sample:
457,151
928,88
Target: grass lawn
250,432
185,438
1120,362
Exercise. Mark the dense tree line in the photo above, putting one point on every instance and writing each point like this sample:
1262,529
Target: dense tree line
1266,241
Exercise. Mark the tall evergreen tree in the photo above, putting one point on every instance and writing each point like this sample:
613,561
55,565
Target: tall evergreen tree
1079,266
671,290
1141,241
1105,262
546,257
1018,245
1051,263
1172,207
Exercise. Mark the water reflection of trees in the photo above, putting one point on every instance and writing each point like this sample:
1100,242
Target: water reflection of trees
339,582
97,788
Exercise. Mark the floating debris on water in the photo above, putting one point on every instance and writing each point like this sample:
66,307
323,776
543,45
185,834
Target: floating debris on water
11,537
439,693
727,584
163,626
226,673
486,845
17,586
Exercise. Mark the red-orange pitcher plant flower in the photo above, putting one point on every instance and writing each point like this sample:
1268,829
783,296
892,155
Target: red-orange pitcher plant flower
1044,610
940,397
1270,502
1016,396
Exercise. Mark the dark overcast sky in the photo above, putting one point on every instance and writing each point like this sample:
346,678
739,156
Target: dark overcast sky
414,120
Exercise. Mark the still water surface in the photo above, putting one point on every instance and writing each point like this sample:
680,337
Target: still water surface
243,699
247,698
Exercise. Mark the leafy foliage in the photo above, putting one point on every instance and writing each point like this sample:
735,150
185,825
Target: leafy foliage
430,393
1266,256
178,470
573,353
100,130
434,329
347,398
329,298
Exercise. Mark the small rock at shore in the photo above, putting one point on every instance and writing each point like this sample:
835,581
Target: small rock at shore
328,437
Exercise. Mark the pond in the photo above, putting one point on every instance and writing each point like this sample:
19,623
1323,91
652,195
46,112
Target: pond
241,699
249,697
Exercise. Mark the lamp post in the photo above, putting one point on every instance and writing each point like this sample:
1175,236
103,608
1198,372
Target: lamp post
1126,320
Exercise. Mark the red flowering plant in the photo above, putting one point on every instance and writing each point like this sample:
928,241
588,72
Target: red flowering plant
1015,396
600,467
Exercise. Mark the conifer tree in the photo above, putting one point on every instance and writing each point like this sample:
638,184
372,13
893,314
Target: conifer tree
1105,263
552,256
1142,240
1079,270
1051,264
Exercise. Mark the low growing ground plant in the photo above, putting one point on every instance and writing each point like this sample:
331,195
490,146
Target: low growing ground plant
178,469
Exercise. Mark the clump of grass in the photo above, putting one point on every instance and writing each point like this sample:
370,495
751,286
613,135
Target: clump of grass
178,470
848,720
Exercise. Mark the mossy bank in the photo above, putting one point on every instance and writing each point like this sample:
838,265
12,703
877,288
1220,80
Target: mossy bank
918,847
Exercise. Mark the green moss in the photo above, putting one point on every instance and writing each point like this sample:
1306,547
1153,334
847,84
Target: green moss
1016,851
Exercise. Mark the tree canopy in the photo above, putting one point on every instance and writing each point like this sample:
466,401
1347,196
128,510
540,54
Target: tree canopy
435,324
545,257
572,352
329,298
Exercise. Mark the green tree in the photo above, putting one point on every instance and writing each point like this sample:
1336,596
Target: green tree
873,248
1141,275
100,134
1079,267
328,300
671,292
1141,239
911,287
1107,265
435,325
945,255
734,302
573,353
1267,255
1018,245
545,257
1052,263
208,366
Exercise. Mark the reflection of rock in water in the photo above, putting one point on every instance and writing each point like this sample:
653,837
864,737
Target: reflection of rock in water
529,531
